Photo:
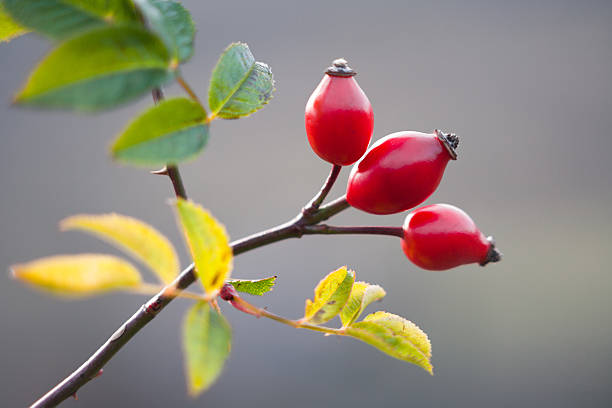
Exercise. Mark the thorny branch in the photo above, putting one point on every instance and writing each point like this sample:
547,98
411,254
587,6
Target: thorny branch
307,222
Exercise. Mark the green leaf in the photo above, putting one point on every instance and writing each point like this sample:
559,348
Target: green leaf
396,336
362,295
137,238
171,132
9,28
64,18
78,275
239,86
331,295
257,287
173,23
99,70
207,340
208,243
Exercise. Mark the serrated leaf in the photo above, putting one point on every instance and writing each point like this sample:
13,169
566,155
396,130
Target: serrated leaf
98,70
330,296
257,287
396,336
361,296
78,275
239,85
207,339
9,28
64,18
137,238
173,131
173,23
208,243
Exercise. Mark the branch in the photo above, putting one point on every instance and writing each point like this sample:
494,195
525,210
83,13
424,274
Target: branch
335,230
303,224
318,199
244,306
294,229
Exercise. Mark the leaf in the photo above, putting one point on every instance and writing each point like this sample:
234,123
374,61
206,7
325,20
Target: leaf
239,86
207,339
137,238
257,287
9,28
208,243
60,19
361,296
78,275
173,23
331,295
98,70
171,132
396,336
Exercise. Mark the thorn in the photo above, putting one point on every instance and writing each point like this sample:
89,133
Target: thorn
161,172
99,373
75,396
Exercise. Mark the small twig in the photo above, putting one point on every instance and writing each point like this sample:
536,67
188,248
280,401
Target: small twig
336,230
188,89
177,181
318,199
169,170
259,312
328,210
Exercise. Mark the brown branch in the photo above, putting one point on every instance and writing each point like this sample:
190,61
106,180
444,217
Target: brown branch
303,224
294,229
318,199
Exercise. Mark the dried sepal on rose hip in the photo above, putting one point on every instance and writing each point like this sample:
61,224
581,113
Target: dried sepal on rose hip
400,171
442,236
339,118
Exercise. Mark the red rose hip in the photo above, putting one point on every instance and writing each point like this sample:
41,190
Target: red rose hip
442,236
339,118
400,171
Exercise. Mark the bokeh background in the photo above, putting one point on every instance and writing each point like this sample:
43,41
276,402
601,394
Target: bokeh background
526,84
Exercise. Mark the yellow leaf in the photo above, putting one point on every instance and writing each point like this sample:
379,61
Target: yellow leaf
362,295
81,274
208,243
330,296
396,336
135,237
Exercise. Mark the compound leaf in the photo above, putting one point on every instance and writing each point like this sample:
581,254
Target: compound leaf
396,336
330,296
239,85
98,70
137,238
173,131
173,23
207,339
78,275
257,287
208,243
361,296
60,19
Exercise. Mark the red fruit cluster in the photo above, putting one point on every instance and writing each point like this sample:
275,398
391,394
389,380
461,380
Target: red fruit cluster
397,173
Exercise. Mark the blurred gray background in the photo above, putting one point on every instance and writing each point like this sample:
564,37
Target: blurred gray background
526,84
